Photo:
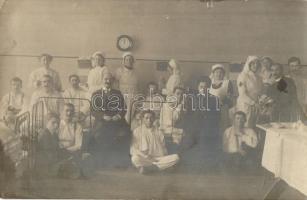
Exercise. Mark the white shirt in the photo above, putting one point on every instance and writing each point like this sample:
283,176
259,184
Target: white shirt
70,135
169,115
148,141
80,105
94,79
50,105
154,103
232,140
128,80
173,81
18,101
37,75
220,92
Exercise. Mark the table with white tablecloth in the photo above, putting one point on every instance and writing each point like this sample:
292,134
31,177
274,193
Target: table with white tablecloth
285,155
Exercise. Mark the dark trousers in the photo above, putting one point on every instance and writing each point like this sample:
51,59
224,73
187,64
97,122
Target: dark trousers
237,162
110,143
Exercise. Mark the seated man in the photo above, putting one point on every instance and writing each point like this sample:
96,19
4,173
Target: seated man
48,95
7,171
111,132
9,118
239,143
48,147
171,119
78,96
148,149
15,99
9,137
70,143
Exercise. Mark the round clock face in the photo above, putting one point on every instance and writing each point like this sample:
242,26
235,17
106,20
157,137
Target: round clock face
124,43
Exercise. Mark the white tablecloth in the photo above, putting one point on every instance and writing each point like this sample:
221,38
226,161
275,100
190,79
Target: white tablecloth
285,155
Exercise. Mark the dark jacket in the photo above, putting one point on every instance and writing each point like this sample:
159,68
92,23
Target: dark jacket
286,106
110,104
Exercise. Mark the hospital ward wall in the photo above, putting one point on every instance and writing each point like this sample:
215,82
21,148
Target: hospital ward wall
161,29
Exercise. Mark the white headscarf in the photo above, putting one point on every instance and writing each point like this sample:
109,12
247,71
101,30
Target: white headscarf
127,54
214,67
246,68
174,65
98,53
246,72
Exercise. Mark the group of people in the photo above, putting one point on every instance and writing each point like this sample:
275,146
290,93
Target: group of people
157,130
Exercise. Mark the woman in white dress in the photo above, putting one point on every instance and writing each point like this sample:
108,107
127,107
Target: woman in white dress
175,78
250,87
94,79
222,88
35,78
127,80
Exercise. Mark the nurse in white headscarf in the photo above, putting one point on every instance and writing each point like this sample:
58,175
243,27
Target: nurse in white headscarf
250,87
222,88
94,79
128,82
175,79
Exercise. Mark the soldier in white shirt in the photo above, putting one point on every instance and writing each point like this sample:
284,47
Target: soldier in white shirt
171,119
77,96
148,148
50,97
35,79
15,99
94,79
239,143
70,144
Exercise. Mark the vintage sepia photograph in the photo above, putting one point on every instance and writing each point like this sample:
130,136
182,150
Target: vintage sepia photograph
153,99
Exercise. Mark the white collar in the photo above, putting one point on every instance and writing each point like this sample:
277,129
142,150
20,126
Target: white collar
277,80
106,89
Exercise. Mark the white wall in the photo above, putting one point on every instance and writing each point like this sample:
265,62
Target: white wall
162,29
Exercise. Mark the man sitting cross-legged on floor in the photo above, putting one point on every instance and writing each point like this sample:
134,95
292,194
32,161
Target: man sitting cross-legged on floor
70,143
148,151
239,144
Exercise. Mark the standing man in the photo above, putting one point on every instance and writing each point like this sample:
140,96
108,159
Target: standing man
206,114
296,73
112,134
283,92
35,79
128,82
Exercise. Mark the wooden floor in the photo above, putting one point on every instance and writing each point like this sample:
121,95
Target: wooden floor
180,184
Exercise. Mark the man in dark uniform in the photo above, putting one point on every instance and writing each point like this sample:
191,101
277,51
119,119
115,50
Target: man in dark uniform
283,92
111,132
207,115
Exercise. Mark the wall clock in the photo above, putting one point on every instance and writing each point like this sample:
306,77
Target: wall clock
124,43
